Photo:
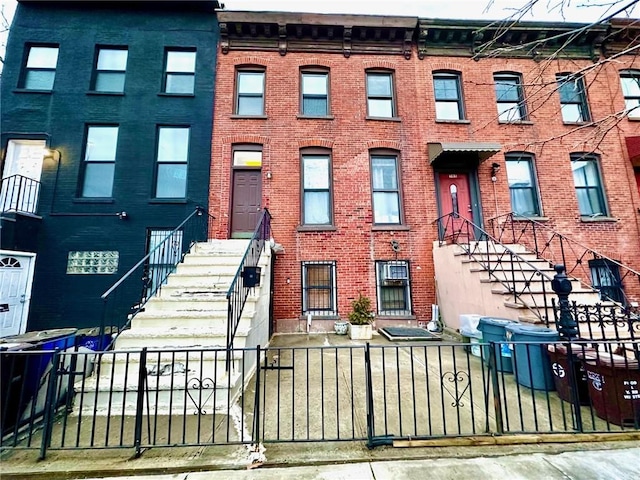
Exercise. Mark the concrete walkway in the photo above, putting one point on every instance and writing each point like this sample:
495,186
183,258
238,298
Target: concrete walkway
619,464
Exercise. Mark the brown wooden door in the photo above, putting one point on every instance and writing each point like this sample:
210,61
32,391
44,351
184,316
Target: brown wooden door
246,204
455,197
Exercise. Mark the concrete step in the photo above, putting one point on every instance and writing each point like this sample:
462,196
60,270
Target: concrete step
480,247
177,394
221,246
178,337
187,319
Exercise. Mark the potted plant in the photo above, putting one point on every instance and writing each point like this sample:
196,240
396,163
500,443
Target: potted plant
360,319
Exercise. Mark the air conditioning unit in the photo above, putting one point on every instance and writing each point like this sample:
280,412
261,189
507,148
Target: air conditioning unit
396,271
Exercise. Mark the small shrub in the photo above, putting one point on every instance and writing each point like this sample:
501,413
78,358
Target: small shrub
361,313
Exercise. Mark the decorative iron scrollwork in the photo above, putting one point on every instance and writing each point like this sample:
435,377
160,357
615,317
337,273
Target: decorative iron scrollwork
461,383
200,384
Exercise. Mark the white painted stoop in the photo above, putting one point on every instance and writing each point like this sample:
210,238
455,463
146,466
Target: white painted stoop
189,312
464,286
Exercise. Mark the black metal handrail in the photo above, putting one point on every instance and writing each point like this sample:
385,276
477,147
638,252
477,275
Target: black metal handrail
555,247
460,231
19,194
139,283
237,293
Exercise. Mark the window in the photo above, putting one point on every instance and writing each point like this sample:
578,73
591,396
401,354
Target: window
98,262
573,99
586,177
385,187
40,69
164,247
111,65
250,93
315,94
448,95
316,195
522,185
630,80
319,288
173,153
380,101
99,161
394,294
180,70
509,97
605,277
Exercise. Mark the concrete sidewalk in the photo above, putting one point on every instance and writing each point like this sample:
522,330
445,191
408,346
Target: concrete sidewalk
619,464
335,460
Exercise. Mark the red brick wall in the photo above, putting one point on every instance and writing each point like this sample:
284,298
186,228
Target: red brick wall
354,245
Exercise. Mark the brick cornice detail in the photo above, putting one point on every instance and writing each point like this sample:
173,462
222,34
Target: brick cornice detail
379,64
313,62
315,142
245,138
446,66
251,60
390,144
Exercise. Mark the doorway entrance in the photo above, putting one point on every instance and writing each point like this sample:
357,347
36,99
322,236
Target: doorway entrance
246,203
454,197
16,277
21,175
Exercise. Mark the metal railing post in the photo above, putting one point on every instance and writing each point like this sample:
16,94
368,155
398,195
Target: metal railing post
497,400
369,395
256,401
50,405
142,376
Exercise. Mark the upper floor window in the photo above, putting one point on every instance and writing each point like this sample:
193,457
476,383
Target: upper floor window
111,65
509,97
448,94
393,288
316,184
630,81
250,92
315,93
180,71
319,288
386,189
522,185
99,161
573,98
380,100
586,177
173,155
40,67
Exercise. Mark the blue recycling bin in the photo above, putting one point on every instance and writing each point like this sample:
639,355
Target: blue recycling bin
92,339
493,330
532,367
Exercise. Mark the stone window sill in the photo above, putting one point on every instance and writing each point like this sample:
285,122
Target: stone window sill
598,219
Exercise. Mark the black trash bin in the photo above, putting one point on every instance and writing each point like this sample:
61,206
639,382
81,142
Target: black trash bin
561,366
15,390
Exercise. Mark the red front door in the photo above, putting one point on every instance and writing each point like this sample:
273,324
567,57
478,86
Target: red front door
246,204
455,198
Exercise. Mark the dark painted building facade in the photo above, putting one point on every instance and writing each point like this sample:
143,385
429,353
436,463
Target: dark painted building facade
107,114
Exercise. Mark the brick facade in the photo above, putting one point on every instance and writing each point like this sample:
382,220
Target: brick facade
355,242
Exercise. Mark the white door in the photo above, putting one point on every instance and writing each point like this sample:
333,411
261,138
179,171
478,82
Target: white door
21,175
16,276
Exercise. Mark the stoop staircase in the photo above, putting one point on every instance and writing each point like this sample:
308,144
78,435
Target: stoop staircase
502,280
184,329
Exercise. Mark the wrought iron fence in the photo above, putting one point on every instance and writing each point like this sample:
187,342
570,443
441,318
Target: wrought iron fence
524,280
246,277
128,296
603,321
380,394
592,268
19,194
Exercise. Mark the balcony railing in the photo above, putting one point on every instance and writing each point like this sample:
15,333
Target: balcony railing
19,194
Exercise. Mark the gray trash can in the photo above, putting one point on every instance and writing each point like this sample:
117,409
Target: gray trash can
493,330
532,367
